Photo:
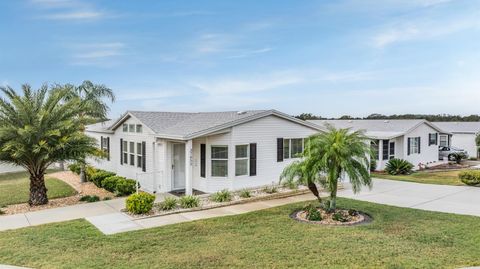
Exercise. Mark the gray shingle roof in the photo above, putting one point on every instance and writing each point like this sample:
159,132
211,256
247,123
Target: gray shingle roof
374,128
459,127
185,123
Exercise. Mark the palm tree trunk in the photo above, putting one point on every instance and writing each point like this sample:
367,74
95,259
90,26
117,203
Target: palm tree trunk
313,188
62,165
38,190
333,195
83,178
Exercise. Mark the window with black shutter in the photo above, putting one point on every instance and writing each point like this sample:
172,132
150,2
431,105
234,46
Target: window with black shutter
108,148
432,139
203,160
385,150
253,159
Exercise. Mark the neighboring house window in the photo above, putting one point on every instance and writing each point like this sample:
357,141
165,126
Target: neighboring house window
444,141
125,127
125,152
132,153
384,149
292,147
374,147
131,128
414,145
432,139
139,155
139,128
219,161
241,160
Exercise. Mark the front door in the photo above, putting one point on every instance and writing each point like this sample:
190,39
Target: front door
178,166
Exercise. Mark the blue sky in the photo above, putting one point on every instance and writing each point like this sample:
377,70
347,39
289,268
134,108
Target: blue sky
329,58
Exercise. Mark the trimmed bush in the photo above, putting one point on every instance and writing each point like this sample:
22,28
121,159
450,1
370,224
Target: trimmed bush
99,176
74,167
140,203
457,157
470,177
89,198
189,201
168,204
125,187
312,213
290,183
398,167
110,183
89,171
373,164
339,216
222,196
245,193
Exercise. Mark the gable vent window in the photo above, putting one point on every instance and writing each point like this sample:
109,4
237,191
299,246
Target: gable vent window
139,128
131,128
125,127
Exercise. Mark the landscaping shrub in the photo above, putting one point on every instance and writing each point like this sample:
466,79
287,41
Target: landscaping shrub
312,213
339,216
140,203
125,187
189,201
110,183
1,212
270,189
352,212
89,171
107,198
398,167
89,198
290,183
373,164
222,196
245,193
74,167
470,177
169,203
458,157
99,176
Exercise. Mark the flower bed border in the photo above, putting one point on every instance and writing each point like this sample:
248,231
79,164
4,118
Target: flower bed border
367,219
219,205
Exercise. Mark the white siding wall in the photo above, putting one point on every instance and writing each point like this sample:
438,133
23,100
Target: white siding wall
128,170
466,142
399,154
264,132
428,154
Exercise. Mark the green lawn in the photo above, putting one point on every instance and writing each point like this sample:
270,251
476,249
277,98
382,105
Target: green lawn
15,188
441,178
397,238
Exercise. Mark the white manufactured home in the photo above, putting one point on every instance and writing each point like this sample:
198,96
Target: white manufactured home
416,141
170,151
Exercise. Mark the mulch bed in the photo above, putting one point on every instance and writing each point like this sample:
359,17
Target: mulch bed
360,218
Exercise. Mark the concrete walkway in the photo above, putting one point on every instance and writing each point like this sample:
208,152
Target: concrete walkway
106,215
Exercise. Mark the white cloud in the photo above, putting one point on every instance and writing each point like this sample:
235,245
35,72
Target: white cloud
78,15
68,10
248,53
101,54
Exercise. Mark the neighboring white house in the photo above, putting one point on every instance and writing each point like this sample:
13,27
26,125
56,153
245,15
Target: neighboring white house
463,135
8,168
413,140
210,151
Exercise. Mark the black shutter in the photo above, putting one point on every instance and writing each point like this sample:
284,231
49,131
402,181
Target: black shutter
448,141
385,149
101,142
144,161
419,146
253,159
436,138
108,148
121,151
279,149
203,159
408,146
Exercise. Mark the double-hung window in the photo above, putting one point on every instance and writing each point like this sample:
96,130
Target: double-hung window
292,147
432,139
139,155
132,153
444,141
125,152
219,156
414,145
241,160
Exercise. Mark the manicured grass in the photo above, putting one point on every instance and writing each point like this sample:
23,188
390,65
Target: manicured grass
15,188
397,238
441,178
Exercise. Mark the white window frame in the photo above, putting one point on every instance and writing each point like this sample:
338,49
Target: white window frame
125,128
440,141
218,159
138,128
131,153
289,156
414,145
125,152
243,158
139,155
131,128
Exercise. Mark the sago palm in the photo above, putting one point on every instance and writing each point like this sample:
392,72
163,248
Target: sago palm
331,155
39,128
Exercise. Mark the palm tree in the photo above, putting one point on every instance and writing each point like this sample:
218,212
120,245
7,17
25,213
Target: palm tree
330,155
39,128
94,107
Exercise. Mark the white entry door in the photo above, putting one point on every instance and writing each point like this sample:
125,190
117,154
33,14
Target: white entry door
178,166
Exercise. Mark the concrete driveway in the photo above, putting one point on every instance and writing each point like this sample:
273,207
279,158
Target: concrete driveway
450,199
